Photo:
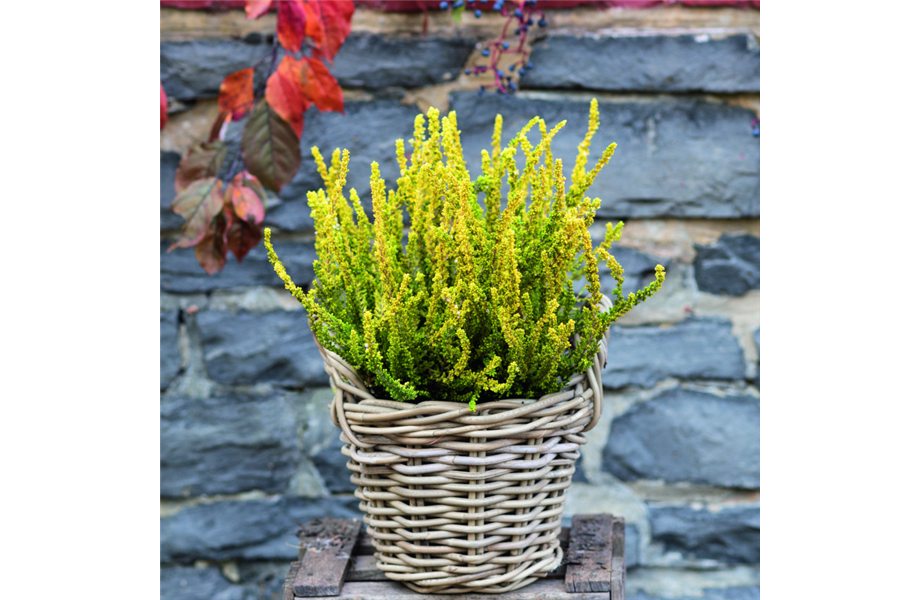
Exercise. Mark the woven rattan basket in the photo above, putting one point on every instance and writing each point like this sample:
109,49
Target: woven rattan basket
458,501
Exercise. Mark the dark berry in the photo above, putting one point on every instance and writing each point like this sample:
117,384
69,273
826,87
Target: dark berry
530,21
512,68
756,132
478,13
485,52
500,73
542,22
512,85
517,12
468,71
522,71
444,5
481,91
530,65
517,32
506,45
458,3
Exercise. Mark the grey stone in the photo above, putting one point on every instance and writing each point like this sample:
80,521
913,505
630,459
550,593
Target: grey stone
194,69
730,535
190,583
169,162
675,157
757,343
687,435
331,464
579,476
225,445
729,593
181,272
271,347
731,266
698,348
408,62
645,63
369,131
632,543
170,360
244,529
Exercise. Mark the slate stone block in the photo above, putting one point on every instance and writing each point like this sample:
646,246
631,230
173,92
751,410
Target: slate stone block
698,348
194,69
729,593
244,529
226,445
688,435
408,62
272,347
645,63
190,583
730,535
331,464
181,272
729,267
675,158
632,546
170,360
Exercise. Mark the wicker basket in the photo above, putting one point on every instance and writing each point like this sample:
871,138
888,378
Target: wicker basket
457,501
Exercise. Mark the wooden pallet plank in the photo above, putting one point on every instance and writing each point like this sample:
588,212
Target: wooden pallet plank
287,590
618,566
590,554
391,590
327,548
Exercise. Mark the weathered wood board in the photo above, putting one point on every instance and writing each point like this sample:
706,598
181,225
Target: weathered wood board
590,554
327,546
593,567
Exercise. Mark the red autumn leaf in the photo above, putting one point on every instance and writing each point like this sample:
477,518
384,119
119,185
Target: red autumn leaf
211,251
284,93
321,87
198,204
245,203
162,107
271,149
314,27
335,22
203,160
242,236
235,94
292,21
257,8
314,82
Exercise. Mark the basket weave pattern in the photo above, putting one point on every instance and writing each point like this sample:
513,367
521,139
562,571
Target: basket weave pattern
457,501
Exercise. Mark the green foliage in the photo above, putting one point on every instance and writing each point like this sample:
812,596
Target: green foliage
475,301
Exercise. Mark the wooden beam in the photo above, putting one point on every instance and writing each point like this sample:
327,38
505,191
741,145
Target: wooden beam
590,554
327,547
391,590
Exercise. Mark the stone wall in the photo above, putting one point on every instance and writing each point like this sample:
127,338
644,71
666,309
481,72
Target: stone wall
247,447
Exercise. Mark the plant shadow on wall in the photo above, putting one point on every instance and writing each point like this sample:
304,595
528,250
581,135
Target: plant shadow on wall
478,300
223,201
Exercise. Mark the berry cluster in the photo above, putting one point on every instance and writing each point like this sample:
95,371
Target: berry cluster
523,18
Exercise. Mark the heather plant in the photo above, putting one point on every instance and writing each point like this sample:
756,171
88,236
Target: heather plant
477,300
